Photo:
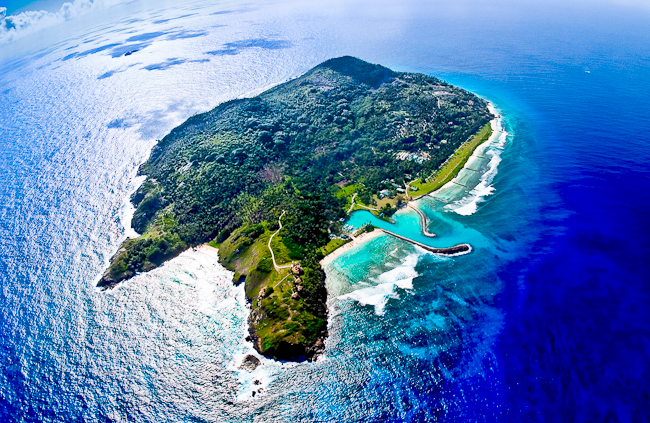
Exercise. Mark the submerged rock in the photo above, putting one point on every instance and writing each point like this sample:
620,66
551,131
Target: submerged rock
250,363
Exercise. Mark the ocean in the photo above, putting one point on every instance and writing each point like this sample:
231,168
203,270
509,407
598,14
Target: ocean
547,319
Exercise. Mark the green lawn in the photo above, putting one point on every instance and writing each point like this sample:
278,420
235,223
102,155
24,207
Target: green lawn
455,163
333,245
282,251
347,191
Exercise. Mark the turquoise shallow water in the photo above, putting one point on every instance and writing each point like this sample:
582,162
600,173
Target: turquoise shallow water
439,209
470,187
448,232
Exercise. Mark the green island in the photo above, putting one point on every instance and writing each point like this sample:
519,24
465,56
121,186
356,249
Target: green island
269,181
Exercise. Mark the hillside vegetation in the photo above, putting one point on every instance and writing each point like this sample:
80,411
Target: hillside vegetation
304,147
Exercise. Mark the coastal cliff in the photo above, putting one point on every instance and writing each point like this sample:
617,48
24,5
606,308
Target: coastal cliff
268,180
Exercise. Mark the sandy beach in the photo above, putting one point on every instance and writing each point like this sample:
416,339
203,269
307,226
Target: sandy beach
206,247
367,236
364,237
497,130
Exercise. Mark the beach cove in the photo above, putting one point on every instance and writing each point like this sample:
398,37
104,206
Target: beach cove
462,194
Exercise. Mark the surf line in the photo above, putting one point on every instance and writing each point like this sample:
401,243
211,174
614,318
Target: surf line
447,251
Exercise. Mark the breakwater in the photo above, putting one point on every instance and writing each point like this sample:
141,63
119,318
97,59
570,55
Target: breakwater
448,251
423,222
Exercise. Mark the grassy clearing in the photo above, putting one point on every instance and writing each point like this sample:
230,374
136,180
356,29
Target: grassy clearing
251,259
379,204
283,254
333,245
347,193
287,319
246,253
348,190
392,202
455,163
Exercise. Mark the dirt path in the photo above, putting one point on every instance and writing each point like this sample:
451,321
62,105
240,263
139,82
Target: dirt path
352,205
360,205
271,249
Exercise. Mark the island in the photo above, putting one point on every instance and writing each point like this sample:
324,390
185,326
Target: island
269,181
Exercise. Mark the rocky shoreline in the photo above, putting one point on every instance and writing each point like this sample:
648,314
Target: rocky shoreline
285,351
233,190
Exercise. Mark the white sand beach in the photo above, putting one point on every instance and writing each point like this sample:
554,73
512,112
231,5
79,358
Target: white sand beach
365,237
206,247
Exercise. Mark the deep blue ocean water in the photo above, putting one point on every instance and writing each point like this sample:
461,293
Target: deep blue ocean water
546,320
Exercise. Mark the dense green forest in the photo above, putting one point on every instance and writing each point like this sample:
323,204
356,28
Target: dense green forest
233,171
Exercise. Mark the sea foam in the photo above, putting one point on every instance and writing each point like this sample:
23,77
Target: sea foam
468,205
127,210
378,295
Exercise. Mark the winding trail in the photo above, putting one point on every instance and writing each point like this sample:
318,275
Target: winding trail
271,249
366,207
359,205
423,222
352,205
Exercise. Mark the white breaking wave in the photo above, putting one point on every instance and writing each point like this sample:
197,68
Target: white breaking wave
493,147
127,210
196,298
13,27
378,295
